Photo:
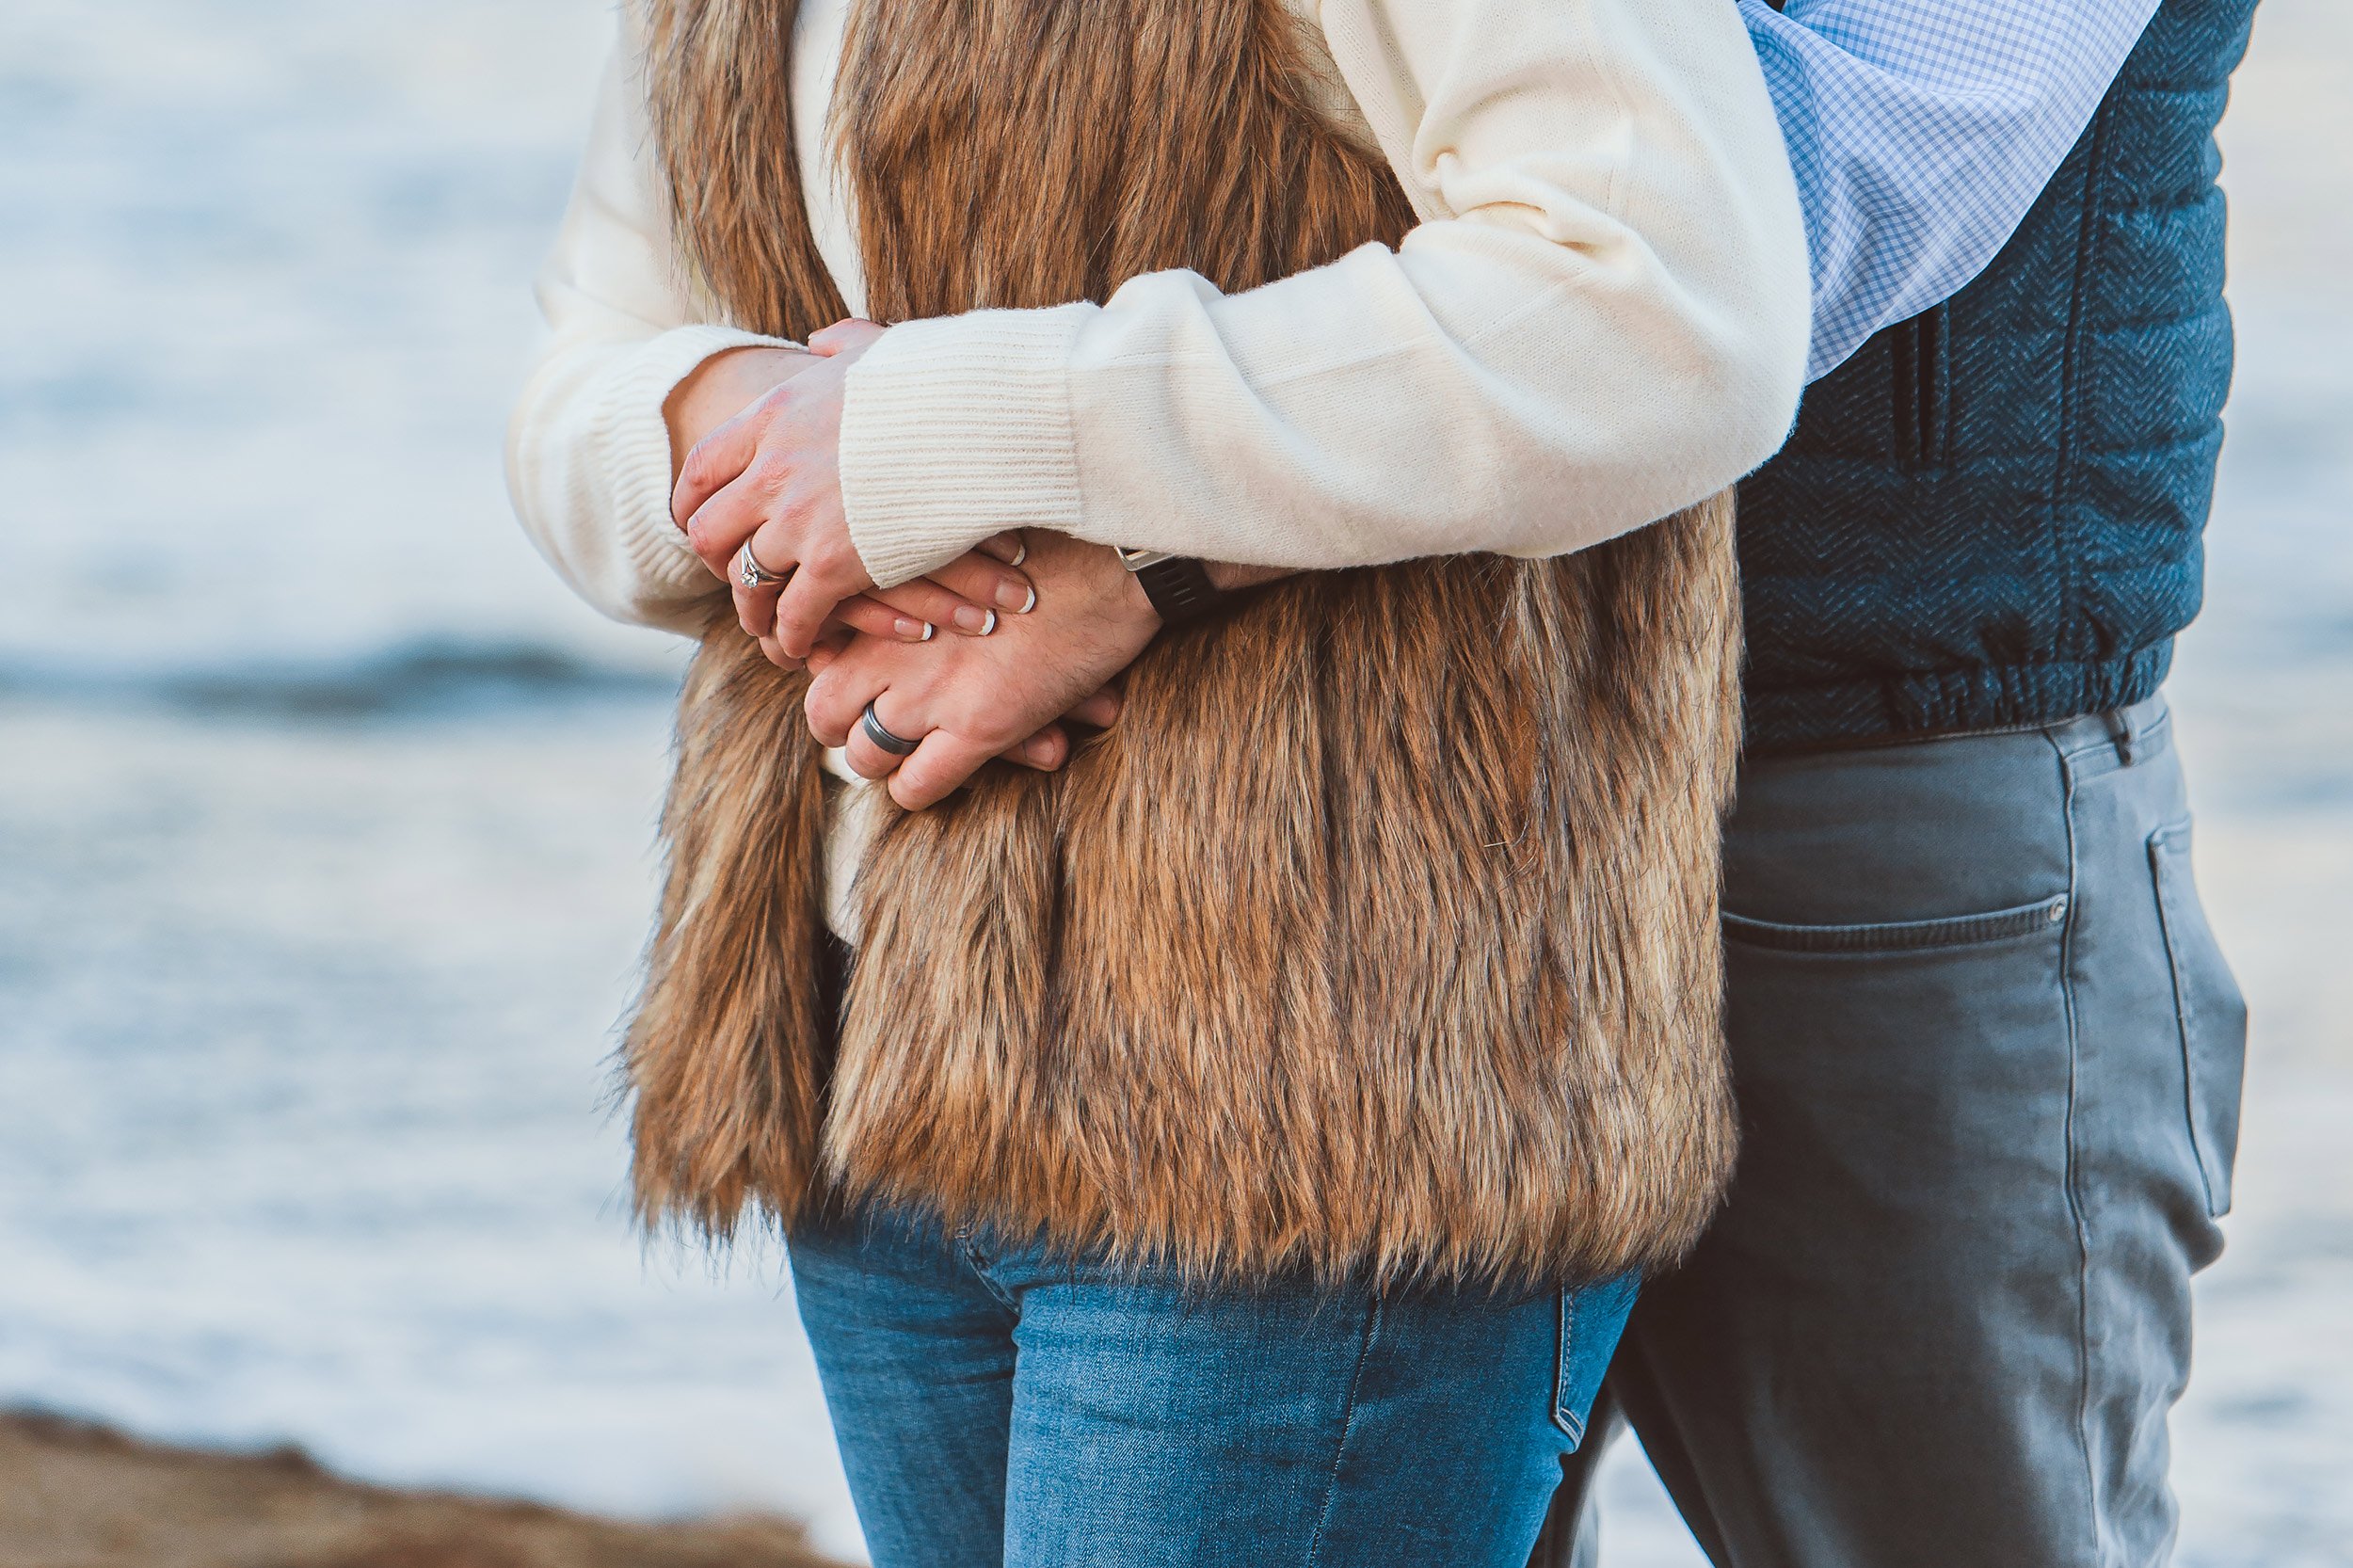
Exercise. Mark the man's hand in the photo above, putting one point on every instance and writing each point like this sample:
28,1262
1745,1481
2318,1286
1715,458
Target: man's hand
967,595
966,700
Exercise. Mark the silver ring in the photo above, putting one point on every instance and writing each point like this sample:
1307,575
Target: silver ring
898,745
751,574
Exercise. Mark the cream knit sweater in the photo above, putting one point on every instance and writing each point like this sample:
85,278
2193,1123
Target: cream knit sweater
1601,318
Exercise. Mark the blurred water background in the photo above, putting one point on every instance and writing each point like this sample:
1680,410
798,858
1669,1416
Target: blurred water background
326,815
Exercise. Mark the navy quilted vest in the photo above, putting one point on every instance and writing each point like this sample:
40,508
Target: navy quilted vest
1991,514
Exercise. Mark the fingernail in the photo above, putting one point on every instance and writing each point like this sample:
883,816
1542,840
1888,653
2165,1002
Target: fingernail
1037,748
1020,598
979,622
1021,549
913,630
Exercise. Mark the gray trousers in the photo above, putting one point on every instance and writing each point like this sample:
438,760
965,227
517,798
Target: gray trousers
1988,1060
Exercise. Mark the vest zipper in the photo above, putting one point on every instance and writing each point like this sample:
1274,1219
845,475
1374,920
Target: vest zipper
1917,362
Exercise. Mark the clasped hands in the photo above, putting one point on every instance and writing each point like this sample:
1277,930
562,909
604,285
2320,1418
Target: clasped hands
1037,627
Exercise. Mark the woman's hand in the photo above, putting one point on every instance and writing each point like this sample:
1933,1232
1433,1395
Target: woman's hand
769,480
954,597
967,595
965,700
722,387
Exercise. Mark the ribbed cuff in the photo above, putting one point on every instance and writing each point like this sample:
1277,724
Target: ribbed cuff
955,428
635,436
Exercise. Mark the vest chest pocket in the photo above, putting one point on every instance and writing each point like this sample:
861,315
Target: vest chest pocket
2209,1011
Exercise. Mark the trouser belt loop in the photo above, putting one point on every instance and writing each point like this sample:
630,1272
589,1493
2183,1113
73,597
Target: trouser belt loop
2121,731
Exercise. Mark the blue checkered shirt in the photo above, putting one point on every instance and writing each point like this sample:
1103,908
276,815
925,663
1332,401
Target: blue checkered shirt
1921,131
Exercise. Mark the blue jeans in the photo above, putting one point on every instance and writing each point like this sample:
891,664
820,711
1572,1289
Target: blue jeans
1988,1060
996,1403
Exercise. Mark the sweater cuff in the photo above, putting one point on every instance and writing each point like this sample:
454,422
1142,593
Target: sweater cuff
957,428
634,436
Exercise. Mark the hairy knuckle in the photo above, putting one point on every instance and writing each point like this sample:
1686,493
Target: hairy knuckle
987,724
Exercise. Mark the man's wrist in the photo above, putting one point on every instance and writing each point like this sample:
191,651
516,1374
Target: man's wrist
1232,579
1223,575
1138,603
1177,586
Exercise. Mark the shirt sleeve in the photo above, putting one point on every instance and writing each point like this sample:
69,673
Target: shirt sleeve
1601,319
588,447
1921,134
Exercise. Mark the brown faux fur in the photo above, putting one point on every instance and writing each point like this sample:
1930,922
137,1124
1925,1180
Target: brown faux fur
1379,936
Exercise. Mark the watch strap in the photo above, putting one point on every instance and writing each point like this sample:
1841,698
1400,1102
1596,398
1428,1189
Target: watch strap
1177,586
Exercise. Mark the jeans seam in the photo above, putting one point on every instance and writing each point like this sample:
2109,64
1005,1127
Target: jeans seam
1348,1429
1566,1419
2074,1197
2160,845
2160,730
969,1249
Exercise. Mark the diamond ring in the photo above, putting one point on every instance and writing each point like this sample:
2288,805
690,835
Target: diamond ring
751,574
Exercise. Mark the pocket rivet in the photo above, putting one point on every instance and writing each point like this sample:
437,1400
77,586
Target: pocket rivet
2058,911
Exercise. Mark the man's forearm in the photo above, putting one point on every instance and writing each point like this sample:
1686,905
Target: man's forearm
1232,579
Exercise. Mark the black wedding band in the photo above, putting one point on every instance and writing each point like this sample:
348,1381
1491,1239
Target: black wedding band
898,745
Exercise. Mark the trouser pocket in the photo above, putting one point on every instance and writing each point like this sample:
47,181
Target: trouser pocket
2209,1011
1878,937
1592,1320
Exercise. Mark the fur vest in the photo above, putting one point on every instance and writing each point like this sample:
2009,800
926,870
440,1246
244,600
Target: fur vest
1380,936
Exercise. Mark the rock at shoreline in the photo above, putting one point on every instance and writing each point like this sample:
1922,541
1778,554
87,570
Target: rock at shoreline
75,1496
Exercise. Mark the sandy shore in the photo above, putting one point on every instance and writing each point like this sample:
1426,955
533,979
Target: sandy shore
74,1495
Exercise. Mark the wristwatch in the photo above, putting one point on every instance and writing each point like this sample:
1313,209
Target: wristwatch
1177,586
